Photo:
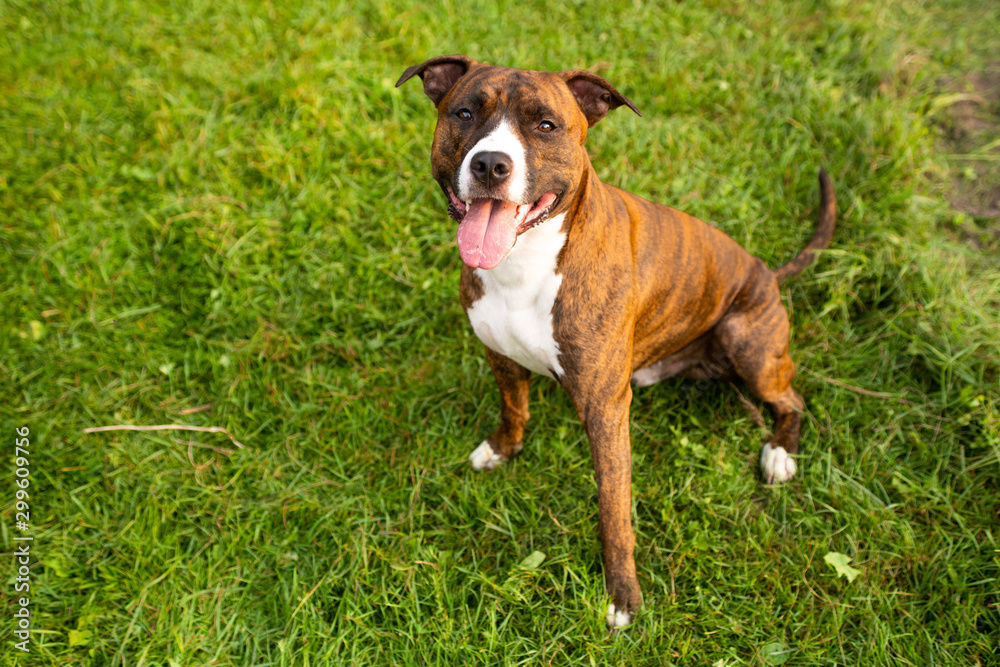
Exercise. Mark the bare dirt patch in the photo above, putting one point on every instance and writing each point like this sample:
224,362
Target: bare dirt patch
970,137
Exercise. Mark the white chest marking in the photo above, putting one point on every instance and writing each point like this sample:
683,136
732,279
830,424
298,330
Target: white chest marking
514,315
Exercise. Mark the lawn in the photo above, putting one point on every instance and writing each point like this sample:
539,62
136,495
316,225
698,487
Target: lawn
220,214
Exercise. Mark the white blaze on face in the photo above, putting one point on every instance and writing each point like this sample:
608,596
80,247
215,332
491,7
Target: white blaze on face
502,139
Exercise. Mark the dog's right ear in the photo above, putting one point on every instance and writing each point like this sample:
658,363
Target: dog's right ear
438,74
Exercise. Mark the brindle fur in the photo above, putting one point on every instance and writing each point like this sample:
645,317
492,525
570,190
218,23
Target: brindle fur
645,286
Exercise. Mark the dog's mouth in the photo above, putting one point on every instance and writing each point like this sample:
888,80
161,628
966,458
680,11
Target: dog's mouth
488,228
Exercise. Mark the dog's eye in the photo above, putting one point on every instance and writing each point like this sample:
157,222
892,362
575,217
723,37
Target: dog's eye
546,126
464,114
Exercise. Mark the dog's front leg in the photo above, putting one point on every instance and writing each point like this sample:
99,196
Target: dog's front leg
606,419
513,382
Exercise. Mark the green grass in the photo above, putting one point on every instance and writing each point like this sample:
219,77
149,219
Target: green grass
229,203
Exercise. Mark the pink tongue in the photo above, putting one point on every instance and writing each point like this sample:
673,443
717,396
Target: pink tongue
487,233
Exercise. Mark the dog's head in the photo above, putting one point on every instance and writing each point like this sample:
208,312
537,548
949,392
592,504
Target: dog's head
508,147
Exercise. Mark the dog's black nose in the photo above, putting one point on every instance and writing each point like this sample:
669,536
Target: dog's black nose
491,167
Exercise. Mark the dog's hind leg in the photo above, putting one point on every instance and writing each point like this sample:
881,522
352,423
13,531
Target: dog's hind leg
777,462
756,342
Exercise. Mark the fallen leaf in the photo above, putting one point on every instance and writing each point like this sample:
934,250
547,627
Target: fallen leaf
775,653
839,562
532,561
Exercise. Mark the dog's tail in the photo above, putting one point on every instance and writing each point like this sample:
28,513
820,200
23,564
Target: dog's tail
824,230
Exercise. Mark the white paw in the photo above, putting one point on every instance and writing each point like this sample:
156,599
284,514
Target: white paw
484,458
617,619
776,465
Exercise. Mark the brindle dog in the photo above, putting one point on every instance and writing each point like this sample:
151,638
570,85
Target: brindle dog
595,287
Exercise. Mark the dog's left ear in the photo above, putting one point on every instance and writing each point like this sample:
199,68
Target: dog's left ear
595,96
438,74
